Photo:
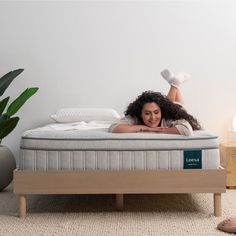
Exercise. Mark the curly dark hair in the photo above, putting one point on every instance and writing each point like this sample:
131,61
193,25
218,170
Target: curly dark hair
169,110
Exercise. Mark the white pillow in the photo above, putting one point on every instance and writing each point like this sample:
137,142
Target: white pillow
67,115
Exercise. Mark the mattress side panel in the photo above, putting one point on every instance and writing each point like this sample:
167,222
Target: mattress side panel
45,160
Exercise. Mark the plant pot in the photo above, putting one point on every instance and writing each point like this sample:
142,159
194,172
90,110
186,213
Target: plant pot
7,165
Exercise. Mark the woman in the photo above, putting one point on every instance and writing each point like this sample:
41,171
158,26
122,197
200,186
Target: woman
154,112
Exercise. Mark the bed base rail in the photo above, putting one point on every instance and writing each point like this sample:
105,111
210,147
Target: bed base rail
119,183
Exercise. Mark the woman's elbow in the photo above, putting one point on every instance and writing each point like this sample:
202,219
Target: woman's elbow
116,129
112,128
189,133
186,131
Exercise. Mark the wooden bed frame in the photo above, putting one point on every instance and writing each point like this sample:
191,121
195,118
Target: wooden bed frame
119,183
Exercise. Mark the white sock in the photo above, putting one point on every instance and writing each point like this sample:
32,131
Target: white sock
180,78
167,75
175,80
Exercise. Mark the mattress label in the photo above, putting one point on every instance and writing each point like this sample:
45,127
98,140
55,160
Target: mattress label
192,159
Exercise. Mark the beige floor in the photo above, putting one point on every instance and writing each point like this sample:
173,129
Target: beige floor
164,214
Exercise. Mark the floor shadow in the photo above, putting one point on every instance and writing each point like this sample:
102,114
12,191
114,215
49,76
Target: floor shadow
104,203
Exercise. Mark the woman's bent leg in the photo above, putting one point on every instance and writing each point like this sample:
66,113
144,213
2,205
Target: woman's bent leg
174,95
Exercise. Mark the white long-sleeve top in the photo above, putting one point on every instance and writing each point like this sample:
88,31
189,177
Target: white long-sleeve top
181,125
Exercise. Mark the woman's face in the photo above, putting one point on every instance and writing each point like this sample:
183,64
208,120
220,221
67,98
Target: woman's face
151,114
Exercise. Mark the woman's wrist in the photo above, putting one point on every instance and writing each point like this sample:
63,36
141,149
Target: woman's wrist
140,129
143,128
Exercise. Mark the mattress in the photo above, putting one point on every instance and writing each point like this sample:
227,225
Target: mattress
96,149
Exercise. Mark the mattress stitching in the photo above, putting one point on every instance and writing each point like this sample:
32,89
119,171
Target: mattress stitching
108,160
46,161
102,149
125,139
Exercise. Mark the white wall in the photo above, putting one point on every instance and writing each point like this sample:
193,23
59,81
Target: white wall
104,53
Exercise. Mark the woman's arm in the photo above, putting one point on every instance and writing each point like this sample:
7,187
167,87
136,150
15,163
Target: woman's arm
165,130
124,128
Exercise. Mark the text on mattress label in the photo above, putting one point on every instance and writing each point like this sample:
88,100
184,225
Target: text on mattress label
192,159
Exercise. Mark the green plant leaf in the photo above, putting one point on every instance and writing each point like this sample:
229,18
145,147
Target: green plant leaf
6,126
4,117
3,104
7,79
19,101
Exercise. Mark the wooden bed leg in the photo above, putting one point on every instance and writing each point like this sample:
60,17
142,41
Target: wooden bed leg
119,201
217,204
22,206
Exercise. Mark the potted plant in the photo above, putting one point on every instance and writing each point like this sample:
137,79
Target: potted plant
8,122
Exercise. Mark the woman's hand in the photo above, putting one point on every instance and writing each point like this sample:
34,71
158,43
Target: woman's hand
165,130
156,129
